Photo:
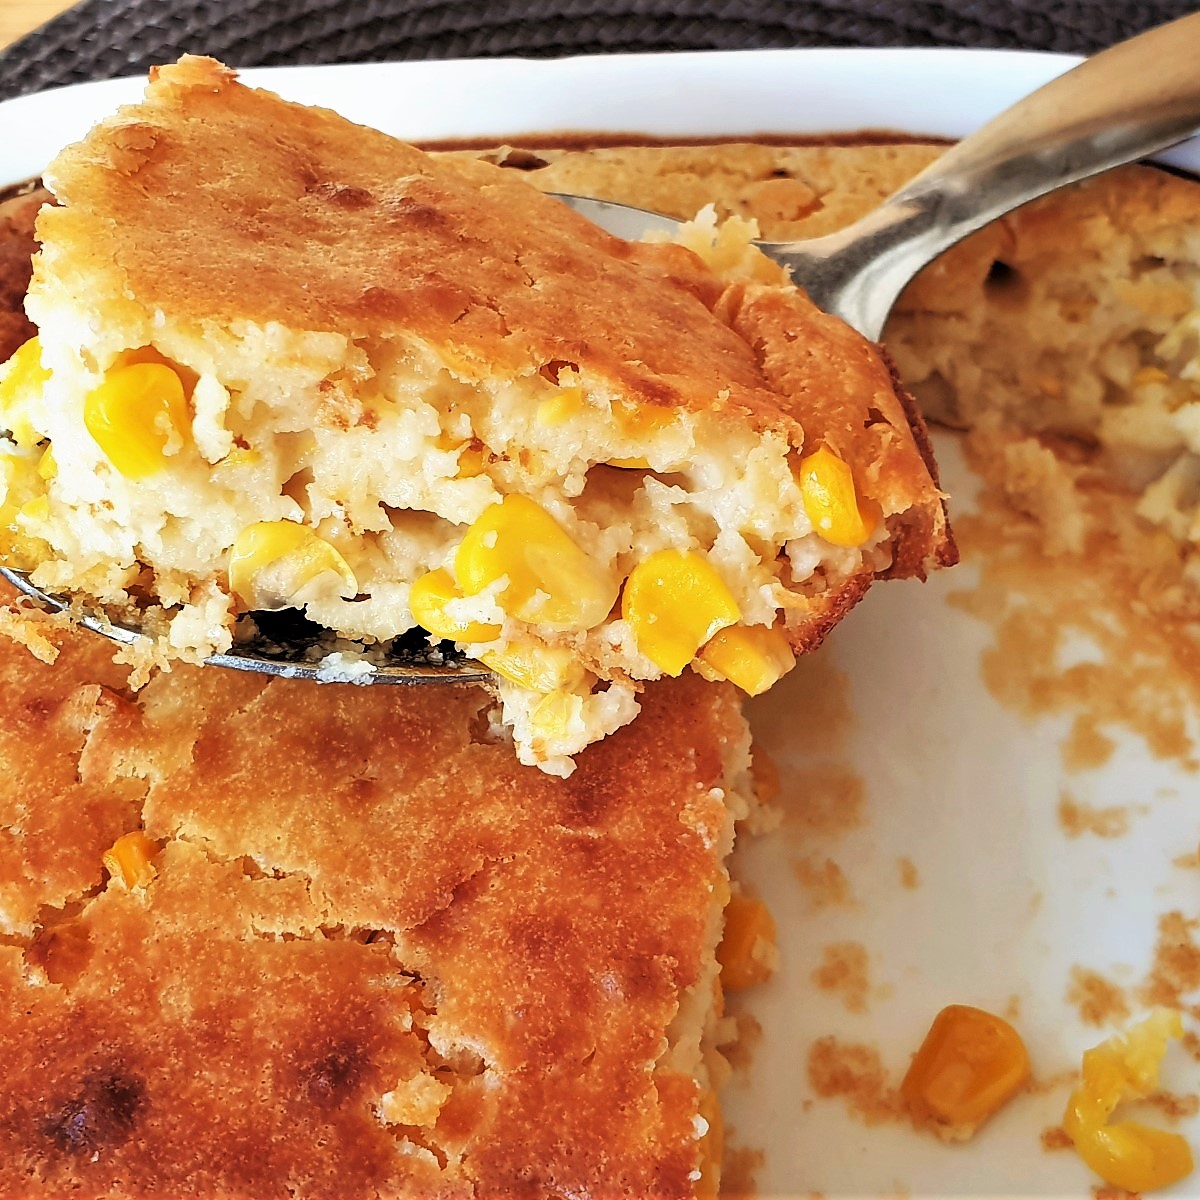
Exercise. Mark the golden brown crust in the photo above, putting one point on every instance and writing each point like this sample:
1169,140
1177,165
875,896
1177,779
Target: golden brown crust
369,237
543,933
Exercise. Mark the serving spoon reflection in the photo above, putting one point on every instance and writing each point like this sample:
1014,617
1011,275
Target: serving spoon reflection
1131,100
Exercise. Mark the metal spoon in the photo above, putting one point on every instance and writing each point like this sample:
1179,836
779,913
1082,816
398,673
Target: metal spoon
1129,101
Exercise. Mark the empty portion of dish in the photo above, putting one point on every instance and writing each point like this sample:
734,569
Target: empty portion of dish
344,945
333,373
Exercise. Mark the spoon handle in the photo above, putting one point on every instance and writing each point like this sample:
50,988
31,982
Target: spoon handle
1131,100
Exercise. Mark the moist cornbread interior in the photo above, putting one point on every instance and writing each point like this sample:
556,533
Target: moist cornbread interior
1064,338
378,957
379,347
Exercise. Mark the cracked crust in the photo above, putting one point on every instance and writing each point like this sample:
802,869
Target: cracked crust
420,916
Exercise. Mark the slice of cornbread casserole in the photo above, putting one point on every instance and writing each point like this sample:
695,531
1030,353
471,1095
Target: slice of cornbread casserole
330,371
345,946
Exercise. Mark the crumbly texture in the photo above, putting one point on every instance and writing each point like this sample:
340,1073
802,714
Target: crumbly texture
376,955
372,339
1063,337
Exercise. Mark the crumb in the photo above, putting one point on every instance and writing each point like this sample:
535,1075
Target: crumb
1176,968
1076,819
1174,1107
747,1037
843,972
1055,1137
826,800
823,881
853,1072
738,1171
909,878
1098,1000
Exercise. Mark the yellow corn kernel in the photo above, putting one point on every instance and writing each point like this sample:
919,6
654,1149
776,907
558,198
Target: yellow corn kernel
240,456
712,1147
554,715
1144,375
129,858
23,380
47,466
148,354
566,404
428,598
674,602
536,667
1127,1154
970,1065
754,657
551,581
21,490
630,464
470,456
642,420
136,416
747,946
280,564
830,499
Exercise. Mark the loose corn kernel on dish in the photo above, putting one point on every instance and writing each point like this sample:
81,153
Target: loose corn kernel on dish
402,393
271,939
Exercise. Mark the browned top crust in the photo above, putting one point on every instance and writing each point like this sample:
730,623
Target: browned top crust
357,889
301,217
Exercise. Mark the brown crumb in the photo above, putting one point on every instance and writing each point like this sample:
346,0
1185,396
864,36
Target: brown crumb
1188,862
823,881
909,877
1176,968
853,1072
821,801
1104,1191
1099,1000
1146,674
1191,1043
738,1170
1055,1137
1085,747
843,972
1076,819
1174,1107
748,1033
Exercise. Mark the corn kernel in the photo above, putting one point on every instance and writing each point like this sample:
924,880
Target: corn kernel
554,715
20,487
642,420
551,581
280,564
536,667
566,404
1127,1154
240,456
470,456
130,857
23,381
47,466
970,1064
747,945
754,657
712,1147
136,416
674,602
630,464
830,499
428,598
1144,375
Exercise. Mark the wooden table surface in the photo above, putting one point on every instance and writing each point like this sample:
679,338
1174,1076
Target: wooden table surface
20,16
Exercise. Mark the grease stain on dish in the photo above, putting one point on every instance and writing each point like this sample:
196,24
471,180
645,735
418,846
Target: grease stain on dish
854,1072
1076,818
1098,1000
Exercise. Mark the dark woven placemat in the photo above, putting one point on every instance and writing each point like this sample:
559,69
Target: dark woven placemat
103,38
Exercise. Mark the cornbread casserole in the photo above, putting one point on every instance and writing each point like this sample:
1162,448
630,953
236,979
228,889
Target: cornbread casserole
350,947
337,374
1064,337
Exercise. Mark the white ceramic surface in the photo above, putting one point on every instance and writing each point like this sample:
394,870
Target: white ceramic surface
966,790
